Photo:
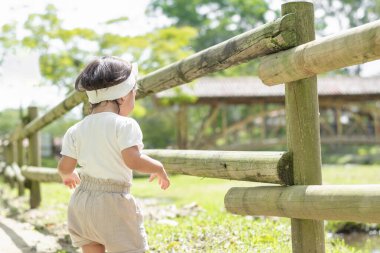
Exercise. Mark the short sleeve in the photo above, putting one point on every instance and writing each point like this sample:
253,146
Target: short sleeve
130,135
68,144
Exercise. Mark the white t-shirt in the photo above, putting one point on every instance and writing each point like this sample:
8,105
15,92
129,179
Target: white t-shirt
96,143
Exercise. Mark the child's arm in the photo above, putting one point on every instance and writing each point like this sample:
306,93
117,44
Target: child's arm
145,164
66,169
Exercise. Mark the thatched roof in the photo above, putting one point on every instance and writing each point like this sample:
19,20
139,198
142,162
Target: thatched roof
252,90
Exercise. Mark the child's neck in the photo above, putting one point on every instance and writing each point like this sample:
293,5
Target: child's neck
106,106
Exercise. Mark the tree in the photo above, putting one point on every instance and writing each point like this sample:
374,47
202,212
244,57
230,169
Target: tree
348,14
9,120
215,21
63,52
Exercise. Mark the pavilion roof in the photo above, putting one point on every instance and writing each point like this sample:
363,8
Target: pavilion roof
251,89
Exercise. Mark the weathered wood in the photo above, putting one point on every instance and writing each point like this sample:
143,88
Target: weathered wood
264,124
182,126
34,152
20,152
206,123
2,167
38,123
10,176
266,167
272,37
20,179
354,46
266,39
359,203
41,174
8,153
301,103
236,126
376,124
14,152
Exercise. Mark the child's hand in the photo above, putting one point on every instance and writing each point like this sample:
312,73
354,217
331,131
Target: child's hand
71,180
163,179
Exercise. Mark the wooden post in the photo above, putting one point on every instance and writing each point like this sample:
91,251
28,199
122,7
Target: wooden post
20,162
182,126
14,152
302,123
376,124
34,160
9,159
339,127
264,123
224,117
206,123
9,153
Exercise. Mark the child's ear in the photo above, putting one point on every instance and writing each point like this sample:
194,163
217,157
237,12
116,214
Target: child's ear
122,100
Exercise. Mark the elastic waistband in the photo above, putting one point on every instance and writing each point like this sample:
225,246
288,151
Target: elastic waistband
89,183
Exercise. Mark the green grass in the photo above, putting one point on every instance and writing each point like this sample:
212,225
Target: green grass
213,229
351,174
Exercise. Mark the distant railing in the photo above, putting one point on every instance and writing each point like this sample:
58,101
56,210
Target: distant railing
307,202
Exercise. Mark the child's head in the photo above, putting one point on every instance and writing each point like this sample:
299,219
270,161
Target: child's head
109,79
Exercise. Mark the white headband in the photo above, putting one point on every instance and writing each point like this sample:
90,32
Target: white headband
116,91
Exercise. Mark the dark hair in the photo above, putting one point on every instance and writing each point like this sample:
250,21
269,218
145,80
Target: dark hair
102,73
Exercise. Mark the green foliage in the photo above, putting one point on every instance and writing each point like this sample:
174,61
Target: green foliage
350,154
59,126
64,52
353,12
117,20
9,120
215,21
158,126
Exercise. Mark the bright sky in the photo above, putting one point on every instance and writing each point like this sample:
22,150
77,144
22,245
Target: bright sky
19,74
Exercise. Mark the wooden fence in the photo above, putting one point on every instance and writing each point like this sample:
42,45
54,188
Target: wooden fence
288,52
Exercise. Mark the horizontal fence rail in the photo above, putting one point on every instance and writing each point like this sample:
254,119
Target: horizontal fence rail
354,46
269,38
266,167
74,99
359,203
41,174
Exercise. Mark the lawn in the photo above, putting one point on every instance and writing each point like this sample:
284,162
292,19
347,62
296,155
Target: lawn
199,222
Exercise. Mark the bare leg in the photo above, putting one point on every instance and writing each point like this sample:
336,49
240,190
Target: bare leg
93,248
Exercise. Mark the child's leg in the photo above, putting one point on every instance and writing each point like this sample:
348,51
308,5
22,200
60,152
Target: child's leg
93,248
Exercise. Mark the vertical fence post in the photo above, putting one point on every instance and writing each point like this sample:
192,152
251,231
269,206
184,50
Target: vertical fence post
339,127
264,123
20,162
182,126
9,159
14,152
376,124
9,153
301,102
34,159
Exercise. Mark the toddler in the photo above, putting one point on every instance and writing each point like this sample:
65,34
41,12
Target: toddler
102,214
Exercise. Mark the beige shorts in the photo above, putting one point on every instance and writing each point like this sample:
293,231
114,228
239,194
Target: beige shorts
103,211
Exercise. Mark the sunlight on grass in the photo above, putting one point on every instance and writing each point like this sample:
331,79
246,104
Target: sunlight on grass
213,229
